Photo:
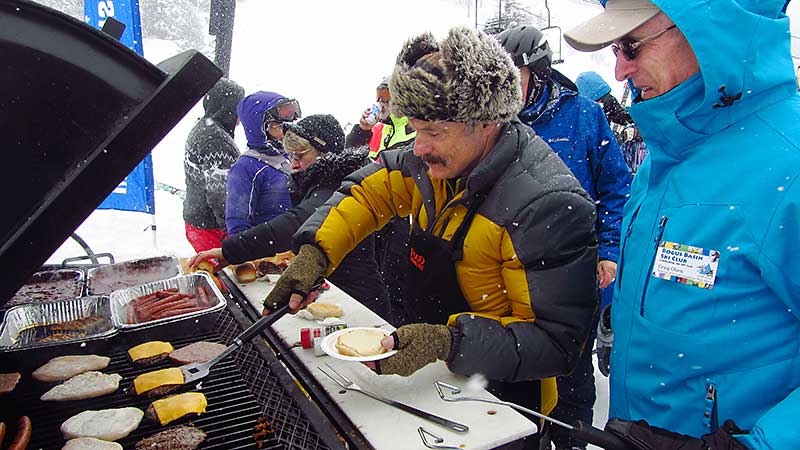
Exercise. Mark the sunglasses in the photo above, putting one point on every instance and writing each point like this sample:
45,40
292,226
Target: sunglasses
297,156
631,48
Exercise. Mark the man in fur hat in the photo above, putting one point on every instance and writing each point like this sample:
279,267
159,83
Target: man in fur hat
503,251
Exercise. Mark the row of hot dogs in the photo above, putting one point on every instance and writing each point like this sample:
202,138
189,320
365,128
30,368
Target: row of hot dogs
167,303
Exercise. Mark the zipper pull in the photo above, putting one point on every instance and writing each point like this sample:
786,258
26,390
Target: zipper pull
711,392
661,225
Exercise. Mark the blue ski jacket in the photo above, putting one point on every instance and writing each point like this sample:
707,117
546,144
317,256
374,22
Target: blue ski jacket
577,130
722,175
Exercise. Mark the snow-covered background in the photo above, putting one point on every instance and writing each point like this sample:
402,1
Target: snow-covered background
330,56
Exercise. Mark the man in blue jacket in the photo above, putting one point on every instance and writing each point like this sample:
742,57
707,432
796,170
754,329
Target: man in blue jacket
575,128
706,312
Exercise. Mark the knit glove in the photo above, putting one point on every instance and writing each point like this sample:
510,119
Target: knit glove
605,341
417,345
302,274
640,435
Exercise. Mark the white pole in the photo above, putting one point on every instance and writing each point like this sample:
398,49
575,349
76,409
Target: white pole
153,227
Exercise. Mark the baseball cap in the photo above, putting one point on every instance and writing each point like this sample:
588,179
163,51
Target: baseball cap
619,18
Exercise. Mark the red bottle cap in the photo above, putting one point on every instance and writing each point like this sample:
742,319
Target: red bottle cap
305,338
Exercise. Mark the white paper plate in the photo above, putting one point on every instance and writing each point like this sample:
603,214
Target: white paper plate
329,346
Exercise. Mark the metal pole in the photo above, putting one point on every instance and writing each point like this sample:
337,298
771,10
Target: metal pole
500,14
221,18
155,235
547,7
476,14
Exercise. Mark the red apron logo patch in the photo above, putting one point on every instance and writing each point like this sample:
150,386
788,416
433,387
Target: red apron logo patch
417,259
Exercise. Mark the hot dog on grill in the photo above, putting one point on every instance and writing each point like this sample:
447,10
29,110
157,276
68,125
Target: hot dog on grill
23,435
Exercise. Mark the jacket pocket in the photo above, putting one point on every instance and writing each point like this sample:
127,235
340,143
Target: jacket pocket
678,305
662,225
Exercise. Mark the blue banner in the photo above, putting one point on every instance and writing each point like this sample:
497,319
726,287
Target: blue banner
95,13
136,192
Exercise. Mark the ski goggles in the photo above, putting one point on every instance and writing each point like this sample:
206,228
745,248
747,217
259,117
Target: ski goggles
287,110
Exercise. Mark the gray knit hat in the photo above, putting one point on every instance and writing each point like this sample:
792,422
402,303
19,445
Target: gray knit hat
479,83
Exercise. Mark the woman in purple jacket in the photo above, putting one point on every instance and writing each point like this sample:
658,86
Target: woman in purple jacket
257,189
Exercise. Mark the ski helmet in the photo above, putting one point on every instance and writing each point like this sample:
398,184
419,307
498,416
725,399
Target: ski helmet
528,48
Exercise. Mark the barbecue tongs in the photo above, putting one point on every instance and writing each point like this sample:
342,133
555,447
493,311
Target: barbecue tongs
195,371
580,430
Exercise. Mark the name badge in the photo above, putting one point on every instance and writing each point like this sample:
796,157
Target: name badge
693,266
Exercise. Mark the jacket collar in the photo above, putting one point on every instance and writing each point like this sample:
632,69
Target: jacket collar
494,165
546,107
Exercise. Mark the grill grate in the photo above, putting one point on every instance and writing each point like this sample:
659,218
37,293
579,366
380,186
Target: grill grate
239,389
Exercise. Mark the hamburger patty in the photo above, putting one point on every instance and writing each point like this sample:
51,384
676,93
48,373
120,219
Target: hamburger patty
8,381
197,353
182,437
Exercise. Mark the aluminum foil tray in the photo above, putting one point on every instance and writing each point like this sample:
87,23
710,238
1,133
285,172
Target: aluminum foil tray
109,278
48,286
162,328
38,325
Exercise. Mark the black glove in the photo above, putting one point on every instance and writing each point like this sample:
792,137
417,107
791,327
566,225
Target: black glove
418,345
605,340
301,275
641,436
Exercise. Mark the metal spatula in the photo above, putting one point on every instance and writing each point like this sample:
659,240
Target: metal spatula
195,371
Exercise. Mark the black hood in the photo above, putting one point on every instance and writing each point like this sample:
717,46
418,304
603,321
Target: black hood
80,111
220,103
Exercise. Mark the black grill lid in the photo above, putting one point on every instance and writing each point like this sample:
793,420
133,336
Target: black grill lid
78,111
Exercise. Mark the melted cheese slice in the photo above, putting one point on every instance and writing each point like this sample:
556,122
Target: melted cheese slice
152,380
177,406
149,349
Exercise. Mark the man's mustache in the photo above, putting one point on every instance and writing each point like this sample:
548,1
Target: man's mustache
433,160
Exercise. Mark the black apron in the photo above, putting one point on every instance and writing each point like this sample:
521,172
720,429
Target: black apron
432,288
433,294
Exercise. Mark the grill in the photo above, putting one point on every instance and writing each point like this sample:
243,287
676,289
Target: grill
249,384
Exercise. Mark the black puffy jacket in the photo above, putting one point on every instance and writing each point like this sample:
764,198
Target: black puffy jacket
358,274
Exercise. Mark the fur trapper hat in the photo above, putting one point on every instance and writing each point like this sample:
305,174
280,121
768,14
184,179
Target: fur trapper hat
479,82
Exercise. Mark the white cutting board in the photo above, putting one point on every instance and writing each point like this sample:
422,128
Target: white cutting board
385,427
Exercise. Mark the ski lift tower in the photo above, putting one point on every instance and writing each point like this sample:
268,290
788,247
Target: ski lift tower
553,34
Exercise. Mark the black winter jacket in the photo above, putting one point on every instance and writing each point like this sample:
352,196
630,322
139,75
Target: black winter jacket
358,273
529,264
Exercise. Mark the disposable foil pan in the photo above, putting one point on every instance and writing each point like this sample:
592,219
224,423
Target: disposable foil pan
169,326
31,326
112,277
48,286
